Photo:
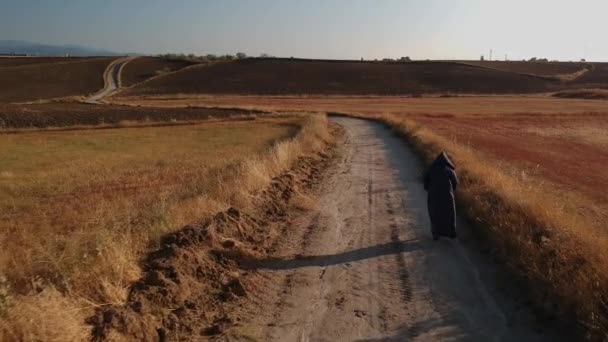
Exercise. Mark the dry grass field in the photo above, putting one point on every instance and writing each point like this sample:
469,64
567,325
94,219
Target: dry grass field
532,178
86,190
565,150
78,208
450,106
532,185
54,77
144,68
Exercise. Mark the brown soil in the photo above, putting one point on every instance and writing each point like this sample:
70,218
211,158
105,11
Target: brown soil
192,283
20,61
144,68
74,114
589,94
54,78
596,78
544,69
287,76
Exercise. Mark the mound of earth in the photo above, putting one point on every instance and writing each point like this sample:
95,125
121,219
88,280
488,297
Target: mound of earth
299,77
190,282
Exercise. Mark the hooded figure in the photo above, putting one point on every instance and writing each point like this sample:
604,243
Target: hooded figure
440,181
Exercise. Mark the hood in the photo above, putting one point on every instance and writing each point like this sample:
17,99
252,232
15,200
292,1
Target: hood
443,160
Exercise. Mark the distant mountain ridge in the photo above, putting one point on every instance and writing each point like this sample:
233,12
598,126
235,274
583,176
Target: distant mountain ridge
19,47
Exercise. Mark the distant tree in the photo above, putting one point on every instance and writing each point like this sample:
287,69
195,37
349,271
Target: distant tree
482,58
583,60
211,57
405,59
264,55
241,55
533,59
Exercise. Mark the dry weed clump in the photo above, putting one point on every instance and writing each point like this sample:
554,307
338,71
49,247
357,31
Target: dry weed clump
557,248
56,278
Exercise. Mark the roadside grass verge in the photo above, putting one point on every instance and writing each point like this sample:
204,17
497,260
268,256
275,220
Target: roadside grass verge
541,235
80,208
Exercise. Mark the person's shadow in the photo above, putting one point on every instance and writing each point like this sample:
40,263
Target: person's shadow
336,259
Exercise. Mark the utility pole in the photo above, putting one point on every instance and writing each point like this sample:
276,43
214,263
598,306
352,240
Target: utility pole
490,55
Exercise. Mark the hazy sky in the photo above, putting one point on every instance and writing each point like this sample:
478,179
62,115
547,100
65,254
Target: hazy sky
435,29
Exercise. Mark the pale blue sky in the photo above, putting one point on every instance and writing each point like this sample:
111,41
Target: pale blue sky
435,29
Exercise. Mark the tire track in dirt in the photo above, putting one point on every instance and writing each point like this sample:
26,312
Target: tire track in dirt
111,79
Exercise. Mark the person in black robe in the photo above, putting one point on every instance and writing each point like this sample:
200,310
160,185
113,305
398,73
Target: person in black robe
440,182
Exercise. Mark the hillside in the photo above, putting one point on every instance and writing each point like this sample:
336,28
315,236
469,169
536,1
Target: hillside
296,76
144,68
47,78
596,78
543,69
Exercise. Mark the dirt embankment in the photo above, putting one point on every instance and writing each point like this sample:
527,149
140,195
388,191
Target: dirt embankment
285,76
192,283
52,78
79,114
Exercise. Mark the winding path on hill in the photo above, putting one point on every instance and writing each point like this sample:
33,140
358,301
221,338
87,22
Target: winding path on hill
111,79
363,266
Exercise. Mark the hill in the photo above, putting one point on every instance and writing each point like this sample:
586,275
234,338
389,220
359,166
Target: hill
542,69
297,76
144,68
46,78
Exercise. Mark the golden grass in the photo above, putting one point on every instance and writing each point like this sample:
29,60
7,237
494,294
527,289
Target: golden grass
539,232
584,133
80,208
371,105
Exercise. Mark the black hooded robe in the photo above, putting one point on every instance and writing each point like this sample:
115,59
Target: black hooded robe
440,181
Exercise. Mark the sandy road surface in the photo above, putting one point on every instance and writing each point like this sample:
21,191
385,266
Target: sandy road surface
111,79
365,268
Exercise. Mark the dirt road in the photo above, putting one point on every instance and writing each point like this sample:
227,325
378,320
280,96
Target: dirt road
111,79
365,268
